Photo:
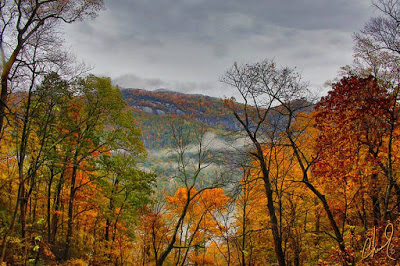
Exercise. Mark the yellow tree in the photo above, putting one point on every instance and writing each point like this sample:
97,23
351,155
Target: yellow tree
199,227
193,155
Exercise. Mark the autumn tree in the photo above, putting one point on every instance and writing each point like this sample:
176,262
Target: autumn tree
32,141
377,58
261,86
76,148
273,99
23,23
199,226
292,202
152,231
248,201
366,113
223,239
99,124
192,153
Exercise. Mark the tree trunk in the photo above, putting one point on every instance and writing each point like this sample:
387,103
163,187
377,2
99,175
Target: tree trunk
49,205
376,210
4,81
170,246
71,207
244,228
57,204
3,99
274,223
271,208
338,235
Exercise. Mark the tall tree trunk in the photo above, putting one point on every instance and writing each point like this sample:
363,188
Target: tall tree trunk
270,205
107,233
57,206
154,237
244,228
71,207
274,222
49,204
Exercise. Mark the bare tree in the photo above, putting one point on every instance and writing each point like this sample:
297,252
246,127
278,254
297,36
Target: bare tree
22,23
377,45
193,156
260,85
272,99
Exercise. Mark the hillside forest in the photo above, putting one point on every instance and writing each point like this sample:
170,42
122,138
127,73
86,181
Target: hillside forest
94,174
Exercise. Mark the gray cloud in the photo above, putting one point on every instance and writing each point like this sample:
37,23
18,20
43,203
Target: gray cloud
187,45
188,16
215,89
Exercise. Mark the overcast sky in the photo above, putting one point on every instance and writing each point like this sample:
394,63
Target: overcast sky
186,45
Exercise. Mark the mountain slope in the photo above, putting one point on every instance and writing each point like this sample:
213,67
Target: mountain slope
155,110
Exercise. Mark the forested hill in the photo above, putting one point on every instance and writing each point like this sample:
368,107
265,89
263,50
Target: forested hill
154,110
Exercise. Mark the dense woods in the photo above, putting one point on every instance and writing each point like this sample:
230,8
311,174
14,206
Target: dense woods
285,178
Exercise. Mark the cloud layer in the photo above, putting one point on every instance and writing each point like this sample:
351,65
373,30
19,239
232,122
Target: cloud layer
188,44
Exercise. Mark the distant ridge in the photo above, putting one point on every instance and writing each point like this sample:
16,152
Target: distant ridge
167,91
154,110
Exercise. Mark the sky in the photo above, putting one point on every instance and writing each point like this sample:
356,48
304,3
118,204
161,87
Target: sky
187,45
